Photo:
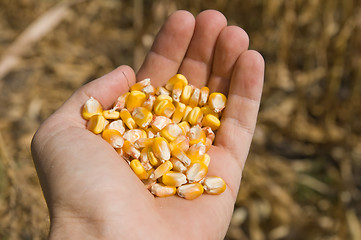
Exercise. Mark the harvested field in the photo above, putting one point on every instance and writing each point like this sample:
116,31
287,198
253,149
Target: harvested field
303,176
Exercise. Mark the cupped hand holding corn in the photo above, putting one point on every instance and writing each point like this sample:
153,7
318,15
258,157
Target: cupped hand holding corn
92,193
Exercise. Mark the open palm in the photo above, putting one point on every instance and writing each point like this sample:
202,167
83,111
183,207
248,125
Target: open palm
92,193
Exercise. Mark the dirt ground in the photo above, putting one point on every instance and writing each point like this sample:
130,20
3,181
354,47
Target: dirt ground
303,176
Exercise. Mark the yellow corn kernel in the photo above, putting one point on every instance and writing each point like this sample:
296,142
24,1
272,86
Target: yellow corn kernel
96,124
179,112
173,80
208,143
117,125
206,159
181,142
193,101
134,134
184,126
91,107
164,108
174,179
144,142
162,97
127,118
149,103
178,165
181,156
149,90
161,91
161,190
186,94
140,85
161,170
120,103
143,158
138,169
196,152
209,133
151,132
195,116
152,158
214,185
130,149
177,90
186,112
171,132
111,114
203,98
159,122
211,121
190,191
142,117
196,135
207,110
113,137
196,172
161,149
217,101
135,99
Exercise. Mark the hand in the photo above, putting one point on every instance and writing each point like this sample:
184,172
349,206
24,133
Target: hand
92,193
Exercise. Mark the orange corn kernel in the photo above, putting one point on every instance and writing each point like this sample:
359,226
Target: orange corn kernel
214,185
111,114
113,137
135,99
174,179
142,116
127,118
96,124
140,85
161,190
196,172
196,135
134,134
161,149
116,125
217,101
190,191
161,170
138,169
203,98
171,132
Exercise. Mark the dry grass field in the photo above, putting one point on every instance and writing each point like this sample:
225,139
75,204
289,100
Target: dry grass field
303,176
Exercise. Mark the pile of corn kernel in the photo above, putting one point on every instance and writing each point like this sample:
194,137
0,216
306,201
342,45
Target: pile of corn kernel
164,134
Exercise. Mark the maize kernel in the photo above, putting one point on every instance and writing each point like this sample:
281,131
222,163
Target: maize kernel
178,165
179,112
207,110
142,116
161,91
206,159
186,94
144,142
152,158
130,149
134,134
214,185
91,107
190,191
120,103
161,190
135,99
127,118
174,179
211,121
195,116
171,132
161,149
193,101
140,85
196,172
149,90
217,101
173,80
196,135
181,156
164,108
138,169
186,113
96,124
184,126
203,98
117,125
196,152
181,142
149,103
161,170
177,90
111,115
159,122
113,137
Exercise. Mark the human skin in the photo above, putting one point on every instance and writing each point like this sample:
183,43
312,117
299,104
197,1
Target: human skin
92,193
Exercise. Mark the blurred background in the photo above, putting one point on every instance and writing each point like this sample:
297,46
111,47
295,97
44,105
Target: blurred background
303,176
